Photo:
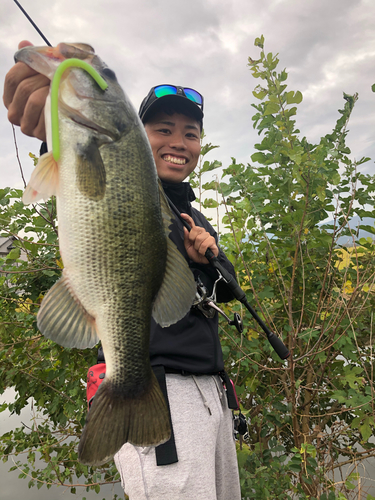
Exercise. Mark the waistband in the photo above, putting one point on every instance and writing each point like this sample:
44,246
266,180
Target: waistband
187,374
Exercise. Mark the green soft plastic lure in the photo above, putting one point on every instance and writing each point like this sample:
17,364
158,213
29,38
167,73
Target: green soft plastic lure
68,63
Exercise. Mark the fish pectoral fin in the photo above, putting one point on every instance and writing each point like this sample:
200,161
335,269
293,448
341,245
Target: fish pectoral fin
44,180
115,417
63,319
90,171
178,289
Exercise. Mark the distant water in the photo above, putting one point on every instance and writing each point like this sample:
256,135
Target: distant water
354,224
13,488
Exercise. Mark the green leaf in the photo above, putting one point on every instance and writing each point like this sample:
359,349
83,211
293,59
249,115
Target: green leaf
311,470
306,479
294,98
335,179
321,192
353,376
354,475
14,254
259,42
364,159
271,108
366,430
258,157
260,94
206,148
208,166
311,450
295,467
210,203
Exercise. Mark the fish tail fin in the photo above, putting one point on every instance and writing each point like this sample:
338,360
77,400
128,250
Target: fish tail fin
116,418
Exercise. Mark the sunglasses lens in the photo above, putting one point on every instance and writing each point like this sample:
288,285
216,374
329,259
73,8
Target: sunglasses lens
163,90
193,95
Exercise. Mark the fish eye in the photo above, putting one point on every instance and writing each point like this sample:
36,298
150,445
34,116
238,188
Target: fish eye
109,73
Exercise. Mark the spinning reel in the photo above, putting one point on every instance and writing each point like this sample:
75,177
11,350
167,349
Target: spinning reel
207,304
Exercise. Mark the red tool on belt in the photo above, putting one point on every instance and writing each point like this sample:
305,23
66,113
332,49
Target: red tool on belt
95,377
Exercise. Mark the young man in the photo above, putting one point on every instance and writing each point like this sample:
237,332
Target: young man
199,462
188,352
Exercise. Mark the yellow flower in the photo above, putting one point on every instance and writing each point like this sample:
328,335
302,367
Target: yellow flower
24,306
348,289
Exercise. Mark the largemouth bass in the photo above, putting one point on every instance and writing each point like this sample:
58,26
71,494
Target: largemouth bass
119,265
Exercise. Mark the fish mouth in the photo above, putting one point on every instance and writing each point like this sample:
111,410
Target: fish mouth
45,60
174,159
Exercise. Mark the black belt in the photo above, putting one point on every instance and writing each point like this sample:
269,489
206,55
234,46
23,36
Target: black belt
166,453
186,373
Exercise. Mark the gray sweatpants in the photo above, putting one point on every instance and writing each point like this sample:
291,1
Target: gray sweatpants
207,464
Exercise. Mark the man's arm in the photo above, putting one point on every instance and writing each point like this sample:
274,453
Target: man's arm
25,93
208,236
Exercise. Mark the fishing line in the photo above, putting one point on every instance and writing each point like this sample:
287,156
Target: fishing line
32,22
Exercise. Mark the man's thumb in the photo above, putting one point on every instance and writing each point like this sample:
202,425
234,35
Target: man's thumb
24,43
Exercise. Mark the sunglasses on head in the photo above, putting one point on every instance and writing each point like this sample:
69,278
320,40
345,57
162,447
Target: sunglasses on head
193,95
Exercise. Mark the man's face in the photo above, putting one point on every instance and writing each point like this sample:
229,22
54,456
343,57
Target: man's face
175,144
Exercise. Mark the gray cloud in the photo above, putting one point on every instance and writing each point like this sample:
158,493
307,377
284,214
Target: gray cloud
325,46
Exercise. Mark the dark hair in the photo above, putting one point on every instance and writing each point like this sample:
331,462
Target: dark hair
170,107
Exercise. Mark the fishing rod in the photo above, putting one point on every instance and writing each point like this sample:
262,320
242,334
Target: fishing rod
277,344
32,22
231,283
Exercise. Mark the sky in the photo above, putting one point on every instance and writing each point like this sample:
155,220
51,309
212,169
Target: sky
326,46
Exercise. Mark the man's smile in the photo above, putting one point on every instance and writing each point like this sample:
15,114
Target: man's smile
178,160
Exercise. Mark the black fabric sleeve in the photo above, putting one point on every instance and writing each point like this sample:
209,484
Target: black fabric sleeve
43,149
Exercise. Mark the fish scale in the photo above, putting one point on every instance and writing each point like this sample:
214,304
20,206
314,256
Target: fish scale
119,265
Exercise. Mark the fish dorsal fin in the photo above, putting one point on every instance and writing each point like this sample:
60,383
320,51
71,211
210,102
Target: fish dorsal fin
178,289
44,180
63,319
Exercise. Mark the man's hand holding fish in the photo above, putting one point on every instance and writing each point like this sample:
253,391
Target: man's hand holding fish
25,94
